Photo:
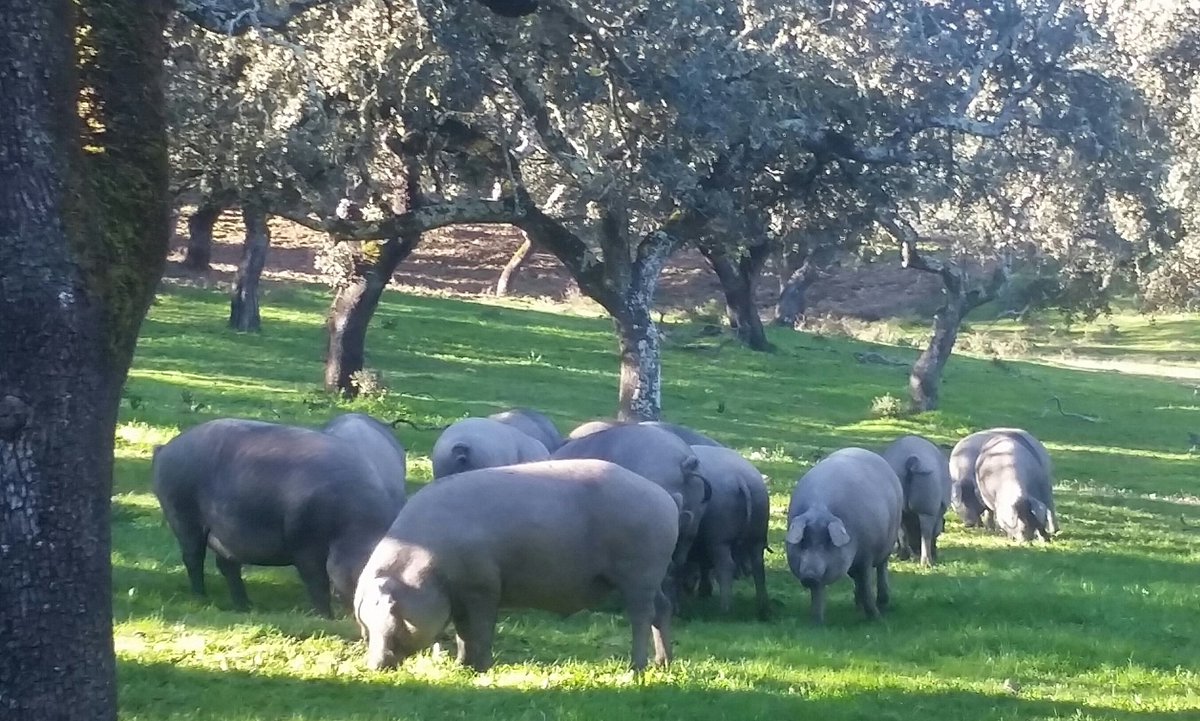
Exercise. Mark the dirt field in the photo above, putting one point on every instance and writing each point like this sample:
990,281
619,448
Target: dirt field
467,261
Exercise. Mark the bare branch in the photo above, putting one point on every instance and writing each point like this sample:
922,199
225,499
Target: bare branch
235,17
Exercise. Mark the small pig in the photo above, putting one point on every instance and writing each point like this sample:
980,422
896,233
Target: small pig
925,477
553,535
843,519
474,443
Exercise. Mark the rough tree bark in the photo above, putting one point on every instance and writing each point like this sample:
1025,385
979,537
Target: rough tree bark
198,253
738,281
354,304
83,237
513,266
925,378
793,295
243,301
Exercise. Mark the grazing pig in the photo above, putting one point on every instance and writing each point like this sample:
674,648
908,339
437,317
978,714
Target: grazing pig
556,535
475,443
964,495
658,456
375,442
265,494
733,532
533,424
925,477
1015,487
843,519
587,429
685,434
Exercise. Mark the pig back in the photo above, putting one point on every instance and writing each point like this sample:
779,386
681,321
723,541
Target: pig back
552,534
1008,466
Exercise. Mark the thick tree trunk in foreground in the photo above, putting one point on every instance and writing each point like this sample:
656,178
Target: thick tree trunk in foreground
350,314
83,239
513,266
243,303
738,280
925,379
198,254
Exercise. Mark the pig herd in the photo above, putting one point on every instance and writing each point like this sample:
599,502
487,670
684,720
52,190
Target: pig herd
518,516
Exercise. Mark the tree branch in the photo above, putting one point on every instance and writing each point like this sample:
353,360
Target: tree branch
418,220
236,17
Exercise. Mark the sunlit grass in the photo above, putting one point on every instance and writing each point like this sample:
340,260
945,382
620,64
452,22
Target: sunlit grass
1099,625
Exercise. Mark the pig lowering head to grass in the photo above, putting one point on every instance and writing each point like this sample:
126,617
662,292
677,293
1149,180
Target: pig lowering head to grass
558,536
843,519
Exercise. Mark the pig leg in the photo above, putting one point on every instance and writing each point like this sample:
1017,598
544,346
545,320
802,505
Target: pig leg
475,648
818,604
193,545
928,524
862,592
641,610
311,566
758,568
705,588
232,571
722,559
883,588
660,629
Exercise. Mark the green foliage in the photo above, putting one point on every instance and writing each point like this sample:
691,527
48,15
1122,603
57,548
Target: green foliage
1098,625
887,406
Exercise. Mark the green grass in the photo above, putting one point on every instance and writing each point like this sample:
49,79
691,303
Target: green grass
1099,625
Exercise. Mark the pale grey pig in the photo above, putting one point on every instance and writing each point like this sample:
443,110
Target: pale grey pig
271,495
1015,488
659,456
475,443
533,424
733,532
685,434
555,535
925,477
964,494
376,443
587,429
843,519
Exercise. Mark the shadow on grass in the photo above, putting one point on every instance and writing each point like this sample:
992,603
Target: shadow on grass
165,691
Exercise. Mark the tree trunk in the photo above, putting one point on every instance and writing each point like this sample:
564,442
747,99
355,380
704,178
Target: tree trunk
793,301
350,314
198,254
243,304
925,379
640,393
514,265
83,239
737,283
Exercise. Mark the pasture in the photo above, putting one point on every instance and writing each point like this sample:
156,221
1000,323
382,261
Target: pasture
1101,624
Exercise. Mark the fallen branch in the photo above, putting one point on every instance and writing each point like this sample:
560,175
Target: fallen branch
880,359
416,426
1080,416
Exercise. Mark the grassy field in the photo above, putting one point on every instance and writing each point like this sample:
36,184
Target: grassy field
1102,624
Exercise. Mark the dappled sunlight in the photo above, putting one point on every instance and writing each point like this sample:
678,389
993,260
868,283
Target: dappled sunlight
1096,624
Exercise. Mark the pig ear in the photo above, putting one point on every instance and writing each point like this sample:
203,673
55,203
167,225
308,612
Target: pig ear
837,533
678,498
795,531
690,464
707,489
